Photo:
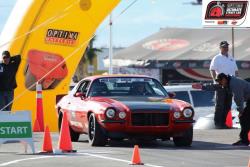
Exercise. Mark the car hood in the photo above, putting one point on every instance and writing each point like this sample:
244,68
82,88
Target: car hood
144,103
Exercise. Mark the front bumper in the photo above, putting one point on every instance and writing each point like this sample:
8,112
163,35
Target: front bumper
123,129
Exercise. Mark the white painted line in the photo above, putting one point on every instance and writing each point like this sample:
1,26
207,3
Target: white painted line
115,159
87,154
26,159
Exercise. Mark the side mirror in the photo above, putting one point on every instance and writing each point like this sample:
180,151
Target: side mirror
80,94
171,95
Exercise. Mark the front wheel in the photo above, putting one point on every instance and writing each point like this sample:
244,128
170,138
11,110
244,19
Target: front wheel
96,134
185,140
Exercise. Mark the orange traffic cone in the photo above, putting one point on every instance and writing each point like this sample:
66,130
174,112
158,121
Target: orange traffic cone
136,159
39,106
64,142
47,142
36,127
249,136
229,120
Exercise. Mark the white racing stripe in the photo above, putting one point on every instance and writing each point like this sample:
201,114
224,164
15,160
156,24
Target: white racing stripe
115,159
26,159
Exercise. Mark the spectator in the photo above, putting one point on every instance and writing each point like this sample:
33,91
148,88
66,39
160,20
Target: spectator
8,70
222,63
241,92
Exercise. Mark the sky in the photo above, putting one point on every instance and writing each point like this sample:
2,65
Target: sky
144,18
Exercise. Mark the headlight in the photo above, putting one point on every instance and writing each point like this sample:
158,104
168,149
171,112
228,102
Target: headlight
188,113
122,115
110,113
177,115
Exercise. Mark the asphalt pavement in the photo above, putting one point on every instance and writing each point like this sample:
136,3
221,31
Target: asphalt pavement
211,148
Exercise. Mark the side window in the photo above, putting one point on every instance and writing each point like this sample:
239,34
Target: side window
83,87
203,98
182,95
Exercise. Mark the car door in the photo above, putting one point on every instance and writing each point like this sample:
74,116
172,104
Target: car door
80,107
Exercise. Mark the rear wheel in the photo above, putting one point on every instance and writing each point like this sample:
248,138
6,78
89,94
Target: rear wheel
73,135
185,140
60,115
96,134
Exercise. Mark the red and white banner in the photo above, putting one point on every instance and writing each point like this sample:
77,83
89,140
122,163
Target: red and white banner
225,13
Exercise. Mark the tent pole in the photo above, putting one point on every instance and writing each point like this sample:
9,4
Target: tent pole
110,45
233,41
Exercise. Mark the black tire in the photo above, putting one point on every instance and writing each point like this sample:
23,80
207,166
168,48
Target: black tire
73,135
185,140
95,133
60,116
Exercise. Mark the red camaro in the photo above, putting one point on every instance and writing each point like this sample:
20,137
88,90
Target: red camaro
115,107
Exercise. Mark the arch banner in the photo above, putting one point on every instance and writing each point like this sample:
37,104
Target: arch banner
51,37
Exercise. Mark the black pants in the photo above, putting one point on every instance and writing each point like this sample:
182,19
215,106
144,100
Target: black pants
5,98
245,123
222,106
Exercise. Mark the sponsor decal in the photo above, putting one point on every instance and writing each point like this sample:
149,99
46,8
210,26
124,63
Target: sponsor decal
39,63
61,37
222,22
166,44
226,10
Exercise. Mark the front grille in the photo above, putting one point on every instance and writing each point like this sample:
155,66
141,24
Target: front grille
150,119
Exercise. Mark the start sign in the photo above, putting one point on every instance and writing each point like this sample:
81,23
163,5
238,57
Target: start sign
16,127
15,130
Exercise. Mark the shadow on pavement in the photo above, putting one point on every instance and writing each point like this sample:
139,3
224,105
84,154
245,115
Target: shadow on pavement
169,145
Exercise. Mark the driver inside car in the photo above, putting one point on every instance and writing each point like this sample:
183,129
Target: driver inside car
139,89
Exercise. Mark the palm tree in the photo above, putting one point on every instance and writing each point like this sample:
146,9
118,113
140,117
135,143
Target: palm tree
87,59
91,52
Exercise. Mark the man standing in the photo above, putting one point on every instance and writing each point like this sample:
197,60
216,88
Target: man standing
241,92
8,70
222,63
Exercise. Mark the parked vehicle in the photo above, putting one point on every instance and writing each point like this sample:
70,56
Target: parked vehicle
197,98
203,103
125,106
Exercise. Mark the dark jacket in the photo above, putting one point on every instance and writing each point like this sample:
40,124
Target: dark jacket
241,91
8,74
239,87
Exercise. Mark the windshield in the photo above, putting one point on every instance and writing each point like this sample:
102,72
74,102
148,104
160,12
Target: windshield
127,86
